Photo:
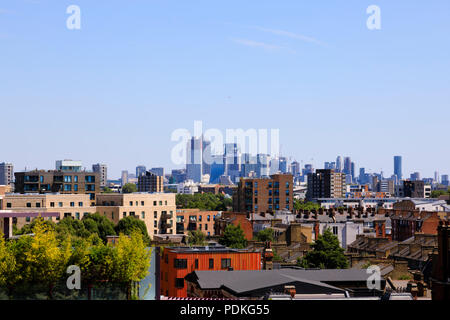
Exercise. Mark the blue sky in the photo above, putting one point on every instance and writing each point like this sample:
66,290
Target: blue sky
115,90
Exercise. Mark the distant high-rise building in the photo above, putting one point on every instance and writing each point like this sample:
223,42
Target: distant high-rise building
6,174
352,171
339,164
347,166
158,171
232,161
140,170
283,165
124,177
436,177
415,176
101,169
263,165
444,180
398,167
194,161
295,168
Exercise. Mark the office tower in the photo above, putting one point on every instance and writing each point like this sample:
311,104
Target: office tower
68,165
102,170
352,171
445,180
264,194
326,183
398,167
249,165
124,177
262,165
327,165
150,182
6,174
283,165
140,170
308,169
232,161
295,168
347,166
339,164
158,171
57,181
194,163
179,175
274,166
436,177
206,157
415,176
362,176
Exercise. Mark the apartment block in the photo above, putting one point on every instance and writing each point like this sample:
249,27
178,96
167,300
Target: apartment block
195,219
155,209
63,205
326,183
257,195
57,181
150,182
101,169
6,174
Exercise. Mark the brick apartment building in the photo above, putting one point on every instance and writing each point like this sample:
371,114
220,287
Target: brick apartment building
57,181
326,183
157,210
257,195
441,265
195,219
178,262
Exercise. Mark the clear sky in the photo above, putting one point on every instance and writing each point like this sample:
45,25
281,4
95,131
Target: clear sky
116,89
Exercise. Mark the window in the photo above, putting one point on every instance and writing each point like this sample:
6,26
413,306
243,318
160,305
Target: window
335,230
142,203
208,217
8,205
75,187
196,263
80,204
67,187
226,263
165,202
179,283
200,227
180,263
199,218
75,178
160,203
155,224
154,203
124,214
41,179
77,215
155,214
28,204
28,219
38,204
68,179
206,226
52,204
131,203
72,204
60,204
143,214
211,263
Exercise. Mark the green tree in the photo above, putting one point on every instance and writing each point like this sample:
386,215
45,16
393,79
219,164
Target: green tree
129,224
196,238
204,201
438,193
265,235
107,190
129,188
326,253
102,226
233,237
8,265
28,228
302,205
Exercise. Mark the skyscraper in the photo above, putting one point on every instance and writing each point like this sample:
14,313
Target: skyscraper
6,173
140,170
339,164
347,166
102,169
398,167
124,177
194,161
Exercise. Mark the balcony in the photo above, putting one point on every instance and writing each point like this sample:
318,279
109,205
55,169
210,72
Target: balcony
165,215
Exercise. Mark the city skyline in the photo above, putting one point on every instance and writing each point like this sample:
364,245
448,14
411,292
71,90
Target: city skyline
135,73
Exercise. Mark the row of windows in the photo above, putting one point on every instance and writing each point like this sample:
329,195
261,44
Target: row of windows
52,204
182,263
155,203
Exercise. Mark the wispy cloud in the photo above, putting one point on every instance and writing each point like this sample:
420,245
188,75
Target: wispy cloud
258,44
291,35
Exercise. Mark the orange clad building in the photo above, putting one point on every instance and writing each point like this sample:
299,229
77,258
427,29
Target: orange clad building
178,262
